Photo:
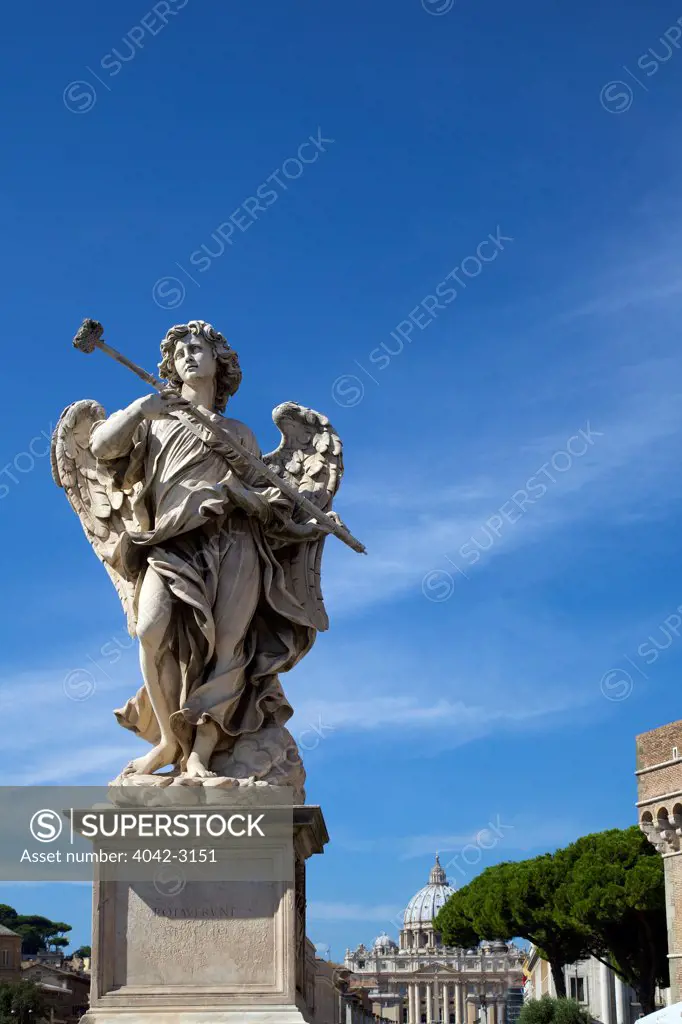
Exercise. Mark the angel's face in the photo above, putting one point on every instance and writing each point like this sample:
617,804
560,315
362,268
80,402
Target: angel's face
194,359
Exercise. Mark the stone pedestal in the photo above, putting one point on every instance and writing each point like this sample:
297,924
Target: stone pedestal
214,952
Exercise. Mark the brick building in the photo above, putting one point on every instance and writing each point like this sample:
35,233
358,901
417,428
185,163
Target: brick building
659,806
10,955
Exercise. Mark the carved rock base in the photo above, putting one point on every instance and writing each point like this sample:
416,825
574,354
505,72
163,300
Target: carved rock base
206,952
266,758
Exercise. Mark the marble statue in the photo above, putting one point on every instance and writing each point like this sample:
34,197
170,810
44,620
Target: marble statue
218,573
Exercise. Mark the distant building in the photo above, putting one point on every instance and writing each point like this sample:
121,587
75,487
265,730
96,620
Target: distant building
77,964
418,980
659,804
45,956
329,989
10,955
603,994
67,994
333,1000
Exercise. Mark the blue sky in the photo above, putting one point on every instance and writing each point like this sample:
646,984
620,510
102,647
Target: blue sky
448,696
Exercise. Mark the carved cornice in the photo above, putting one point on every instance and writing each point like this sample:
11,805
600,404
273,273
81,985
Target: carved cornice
664,833
310,831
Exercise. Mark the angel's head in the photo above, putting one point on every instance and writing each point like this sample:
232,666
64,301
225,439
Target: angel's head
194,351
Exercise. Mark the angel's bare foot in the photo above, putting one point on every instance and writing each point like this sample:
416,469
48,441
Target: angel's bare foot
159,756
196,769
204,745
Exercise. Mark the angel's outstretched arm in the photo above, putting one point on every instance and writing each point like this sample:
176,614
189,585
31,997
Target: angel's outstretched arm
114,437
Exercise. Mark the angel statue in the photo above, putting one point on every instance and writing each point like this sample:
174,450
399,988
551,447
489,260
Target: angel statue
217,570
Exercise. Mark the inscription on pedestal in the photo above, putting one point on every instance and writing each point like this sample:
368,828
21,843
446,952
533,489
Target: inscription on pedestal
217,933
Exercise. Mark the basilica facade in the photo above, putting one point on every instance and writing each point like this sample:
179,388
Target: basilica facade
418,980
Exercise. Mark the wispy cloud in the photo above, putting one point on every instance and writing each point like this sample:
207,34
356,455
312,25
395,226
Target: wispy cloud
414,528
516,834
73,766
492,838
366,714
57,739
325,911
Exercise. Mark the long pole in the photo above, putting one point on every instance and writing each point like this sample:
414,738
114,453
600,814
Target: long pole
89,337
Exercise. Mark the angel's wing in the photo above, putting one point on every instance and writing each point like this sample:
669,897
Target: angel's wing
310,458
103,508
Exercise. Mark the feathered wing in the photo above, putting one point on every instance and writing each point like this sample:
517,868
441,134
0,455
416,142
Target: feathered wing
102,507
310,458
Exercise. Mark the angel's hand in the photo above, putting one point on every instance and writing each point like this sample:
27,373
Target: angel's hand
312,530
155,406
254,504
336,518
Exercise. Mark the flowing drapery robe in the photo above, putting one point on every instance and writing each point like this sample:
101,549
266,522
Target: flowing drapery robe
228,592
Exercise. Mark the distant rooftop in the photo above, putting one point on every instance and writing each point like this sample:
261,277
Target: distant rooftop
8,931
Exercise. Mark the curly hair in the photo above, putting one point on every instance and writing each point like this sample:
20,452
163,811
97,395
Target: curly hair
228,371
